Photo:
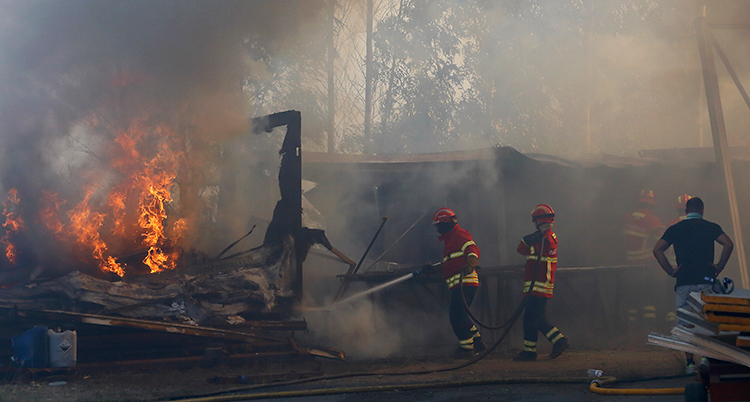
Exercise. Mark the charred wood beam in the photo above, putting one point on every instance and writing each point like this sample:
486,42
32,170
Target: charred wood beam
287,215
141,324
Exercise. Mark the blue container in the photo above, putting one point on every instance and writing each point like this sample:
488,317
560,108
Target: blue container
31,348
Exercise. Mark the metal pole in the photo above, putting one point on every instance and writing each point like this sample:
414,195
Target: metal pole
396,242
718,129
368,82
331,93
353,270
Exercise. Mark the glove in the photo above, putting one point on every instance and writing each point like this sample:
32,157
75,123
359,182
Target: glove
425,269
466,269
533,238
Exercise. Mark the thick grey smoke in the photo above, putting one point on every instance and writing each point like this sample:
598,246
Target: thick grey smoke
76,74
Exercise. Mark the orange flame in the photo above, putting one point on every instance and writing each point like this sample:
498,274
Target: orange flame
87,224
146,160
156,181
13,223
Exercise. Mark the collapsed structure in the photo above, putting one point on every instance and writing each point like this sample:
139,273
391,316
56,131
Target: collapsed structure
237,298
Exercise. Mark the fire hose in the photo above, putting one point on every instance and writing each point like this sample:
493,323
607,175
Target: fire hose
523,300
220,396
595,386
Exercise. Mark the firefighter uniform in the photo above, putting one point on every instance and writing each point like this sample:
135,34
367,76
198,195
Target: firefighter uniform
458,245
641,230
538,285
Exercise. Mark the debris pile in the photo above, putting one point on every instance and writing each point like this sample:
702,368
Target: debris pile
718,327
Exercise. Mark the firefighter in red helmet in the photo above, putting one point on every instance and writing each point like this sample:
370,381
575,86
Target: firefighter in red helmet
459,269
641,229
540,249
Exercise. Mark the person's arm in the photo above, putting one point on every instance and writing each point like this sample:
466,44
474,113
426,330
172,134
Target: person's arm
472,257
659,249
726,252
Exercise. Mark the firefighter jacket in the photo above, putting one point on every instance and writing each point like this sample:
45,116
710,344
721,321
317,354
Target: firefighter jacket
457,245
543,272
641,229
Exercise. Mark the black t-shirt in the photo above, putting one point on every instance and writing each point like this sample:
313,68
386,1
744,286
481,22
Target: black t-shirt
693,241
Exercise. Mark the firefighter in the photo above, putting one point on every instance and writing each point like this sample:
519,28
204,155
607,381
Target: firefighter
641,229
540,249
459,268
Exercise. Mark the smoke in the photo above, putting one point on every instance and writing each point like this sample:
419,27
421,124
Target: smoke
75,75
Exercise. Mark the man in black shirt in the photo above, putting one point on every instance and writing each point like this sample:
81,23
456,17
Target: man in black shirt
693,239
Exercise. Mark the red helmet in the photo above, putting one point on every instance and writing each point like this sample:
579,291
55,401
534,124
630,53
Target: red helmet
543,213
682,202
647,197
443,215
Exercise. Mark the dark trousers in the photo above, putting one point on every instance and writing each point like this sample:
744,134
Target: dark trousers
460,321
535,318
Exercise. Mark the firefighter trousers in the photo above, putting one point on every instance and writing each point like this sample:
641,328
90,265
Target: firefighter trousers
535,321
460,321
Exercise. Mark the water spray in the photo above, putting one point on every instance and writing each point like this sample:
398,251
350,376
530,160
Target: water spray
378,288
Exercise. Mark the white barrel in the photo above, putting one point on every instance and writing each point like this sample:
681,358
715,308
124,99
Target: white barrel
62,348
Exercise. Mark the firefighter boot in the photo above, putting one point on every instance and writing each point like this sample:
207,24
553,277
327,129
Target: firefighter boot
525,356
559,347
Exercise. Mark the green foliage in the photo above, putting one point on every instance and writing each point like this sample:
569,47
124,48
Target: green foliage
561,77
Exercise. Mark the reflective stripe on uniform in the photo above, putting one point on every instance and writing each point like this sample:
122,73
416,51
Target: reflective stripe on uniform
539,287
551,332
467,343
529,346
454,280
457,254
536,257
467,244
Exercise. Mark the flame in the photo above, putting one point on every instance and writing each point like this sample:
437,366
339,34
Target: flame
87,224
13,223
152,218
124,208
138,202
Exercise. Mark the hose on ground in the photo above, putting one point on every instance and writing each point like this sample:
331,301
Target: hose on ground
596,387
390,387
196,398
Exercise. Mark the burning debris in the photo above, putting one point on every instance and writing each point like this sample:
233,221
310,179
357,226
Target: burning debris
132,229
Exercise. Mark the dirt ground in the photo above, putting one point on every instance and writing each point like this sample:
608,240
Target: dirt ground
151,384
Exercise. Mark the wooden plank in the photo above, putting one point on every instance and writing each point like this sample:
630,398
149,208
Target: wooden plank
728,308
141,324
739,297
734,327
726,319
